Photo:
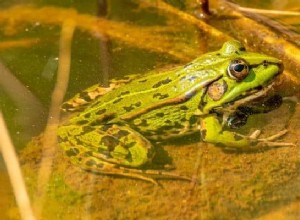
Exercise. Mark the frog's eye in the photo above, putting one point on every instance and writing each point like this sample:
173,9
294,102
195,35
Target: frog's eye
238,69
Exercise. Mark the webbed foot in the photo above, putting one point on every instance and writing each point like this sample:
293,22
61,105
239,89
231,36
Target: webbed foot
102,167
270,141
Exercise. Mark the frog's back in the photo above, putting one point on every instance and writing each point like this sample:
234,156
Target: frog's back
152,91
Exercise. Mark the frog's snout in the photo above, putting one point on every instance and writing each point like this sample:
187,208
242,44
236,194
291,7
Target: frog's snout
279,64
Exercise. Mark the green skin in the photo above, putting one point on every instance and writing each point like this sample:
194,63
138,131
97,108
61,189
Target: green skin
114,133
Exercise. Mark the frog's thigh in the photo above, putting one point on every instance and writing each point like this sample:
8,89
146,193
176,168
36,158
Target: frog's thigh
118,144
82,156
212,132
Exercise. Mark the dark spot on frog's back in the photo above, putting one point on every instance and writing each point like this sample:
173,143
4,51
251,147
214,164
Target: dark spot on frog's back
149,133
105,127
142,81
96,122
87,115
138,104
183,119
121,133
117,100
85,96
160,114
128,108
82,122
178,125
160,96
183,107
90,162
124,93
165,127
193,120
110,142
131,144
87,129
162,82
72,152
144,123
132,106
100,111
168,121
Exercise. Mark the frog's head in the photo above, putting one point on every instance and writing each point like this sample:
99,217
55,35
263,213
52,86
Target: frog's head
242,76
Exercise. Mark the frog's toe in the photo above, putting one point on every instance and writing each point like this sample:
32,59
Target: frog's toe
270,141
98,166
275,136
276,144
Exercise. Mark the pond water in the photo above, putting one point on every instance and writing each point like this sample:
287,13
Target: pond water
111,40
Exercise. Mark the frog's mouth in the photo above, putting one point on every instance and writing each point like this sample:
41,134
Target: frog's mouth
258,100
250,96
253,97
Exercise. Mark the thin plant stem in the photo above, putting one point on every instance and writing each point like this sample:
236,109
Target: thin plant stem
269,12
14,172
50,134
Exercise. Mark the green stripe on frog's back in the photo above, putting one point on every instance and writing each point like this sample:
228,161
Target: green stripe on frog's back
154,91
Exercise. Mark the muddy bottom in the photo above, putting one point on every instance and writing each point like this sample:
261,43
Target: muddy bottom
226,184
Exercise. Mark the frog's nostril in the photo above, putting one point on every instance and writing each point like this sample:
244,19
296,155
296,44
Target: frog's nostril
265,63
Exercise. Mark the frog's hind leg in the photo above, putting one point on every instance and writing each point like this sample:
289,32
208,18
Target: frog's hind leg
83,157
98,166
111,149
80,156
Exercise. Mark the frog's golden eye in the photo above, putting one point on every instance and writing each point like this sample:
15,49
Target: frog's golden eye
238,69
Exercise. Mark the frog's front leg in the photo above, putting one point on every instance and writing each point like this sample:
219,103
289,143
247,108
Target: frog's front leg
212,132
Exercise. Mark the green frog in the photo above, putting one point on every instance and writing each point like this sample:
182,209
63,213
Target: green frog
117,127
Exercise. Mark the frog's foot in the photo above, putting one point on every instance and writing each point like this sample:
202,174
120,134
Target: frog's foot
98,166
212,132
268,141
102,167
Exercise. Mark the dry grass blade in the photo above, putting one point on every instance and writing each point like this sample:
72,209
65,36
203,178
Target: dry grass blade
190,19
258,35
288,31
270,12
14,172
50,134
18,43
